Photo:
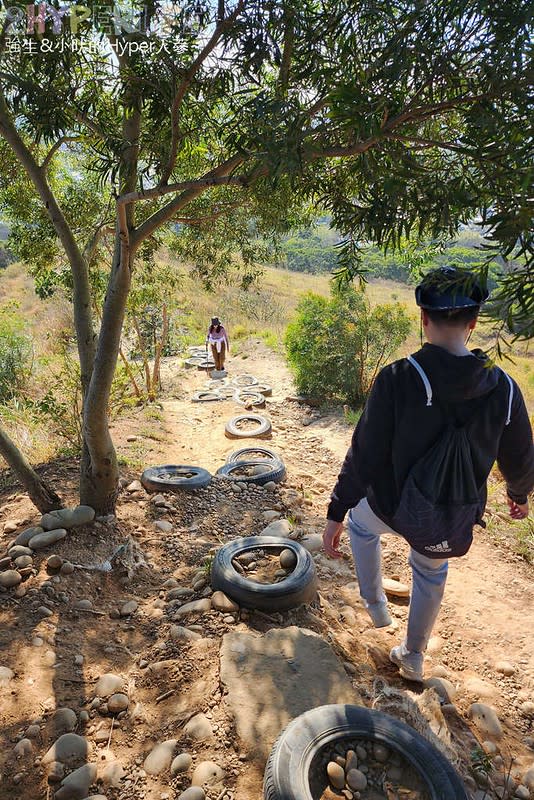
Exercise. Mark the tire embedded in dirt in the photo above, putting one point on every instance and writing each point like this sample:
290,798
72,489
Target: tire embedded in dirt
300,586
174,478
233,431
295,769
248,397
205,397
253,454
258,472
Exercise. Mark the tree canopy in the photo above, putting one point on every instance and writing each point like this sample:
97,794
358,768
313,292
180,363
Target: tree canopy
399,118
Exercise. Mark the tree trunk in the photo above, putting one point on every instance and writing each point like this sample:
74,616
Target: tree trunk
41,495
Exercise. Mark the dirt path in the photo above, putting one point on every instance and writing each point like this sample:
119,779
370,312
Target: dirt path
56,656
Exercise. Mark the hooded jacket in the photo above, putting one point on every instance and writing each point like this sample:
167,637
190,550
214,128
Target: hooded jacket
397,428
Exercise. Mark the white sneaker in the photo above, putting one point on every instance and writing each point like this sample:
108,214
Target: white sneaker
379,614
410,664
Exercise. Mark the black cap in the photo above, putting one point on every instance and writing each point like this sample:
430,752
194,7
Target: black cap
215,321
448,288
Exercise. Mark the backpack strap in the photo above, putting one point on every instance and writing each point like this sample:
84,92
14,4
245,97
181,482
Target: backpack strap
510,396
424,378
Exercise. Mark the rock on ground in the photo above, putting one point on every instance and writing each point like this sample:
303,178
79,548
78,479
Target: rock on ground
273,678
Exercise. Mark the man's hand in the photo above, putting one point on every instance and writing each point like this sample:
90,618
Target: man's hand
518,510
331,536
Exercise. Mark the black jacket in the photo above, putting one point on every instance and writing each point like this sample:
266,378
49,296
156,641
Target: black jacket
397,428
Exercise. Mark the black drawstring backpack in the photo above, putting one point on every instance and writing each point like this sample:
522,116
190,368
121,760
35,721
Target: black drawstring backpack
440,501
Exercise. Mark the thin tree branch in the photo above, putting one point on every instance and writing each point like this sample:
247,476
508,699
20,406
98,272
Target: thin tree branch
55,147
220,28
160,191
168,211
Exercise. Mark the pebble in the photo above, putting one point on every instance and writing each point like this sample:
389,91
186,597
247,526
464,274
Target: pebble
199,728
528,778
270,486
43,611
108,684
336,775
83,604
10,578
64,720
207,772
76,785
356,780
480,688
313,542
117,703
112,774
179,592
32,732
129,608
66,568
47,538
69,747
18,550
54,562
288,559
505,668
78,660
193,793
195,606
221,602
135,486
278,527
181,763
27,534
527,708
160,757
6,675
445,689
67,517
486,719
522,792
23,561
55,772
24,747
180,633
10,526
270,514
163,525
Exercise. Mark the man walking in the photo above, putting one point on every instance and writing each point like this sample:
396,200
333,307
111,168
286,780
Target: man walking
447,405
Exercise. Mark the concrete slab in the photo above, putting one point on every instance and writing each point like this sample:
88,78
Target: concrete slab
273,678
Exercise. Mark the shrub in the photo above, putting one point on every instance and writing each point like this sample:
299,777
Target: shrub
15,352
336,346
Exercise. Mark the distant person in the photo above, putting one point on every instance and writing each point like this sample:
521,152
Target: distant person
432,428
218,339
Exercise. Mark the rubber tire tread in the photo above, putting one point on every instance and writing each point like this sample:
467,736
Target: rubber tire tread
233,432
243,454
299,587
286,775
276,474
152,483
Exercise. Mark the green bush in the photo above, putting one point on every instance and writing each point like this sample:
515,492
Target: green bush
15,352
336,346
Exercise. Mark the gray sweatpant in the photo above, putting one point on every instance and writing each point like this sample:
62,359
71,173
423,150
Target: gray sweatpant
428,575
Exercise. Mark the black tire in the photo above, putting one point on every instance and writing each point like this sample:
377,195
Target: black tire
274,471
294,759
249,397
253,454
174,478
233,432
300,586
205,397
205,364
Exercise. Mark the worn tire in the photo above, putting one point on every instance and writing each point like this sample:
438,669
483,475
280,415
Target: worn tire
243,381
274,471
264,389
300,586
253,454
233,432
247,397
174,478
204,397
290,765
226,392
205,364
